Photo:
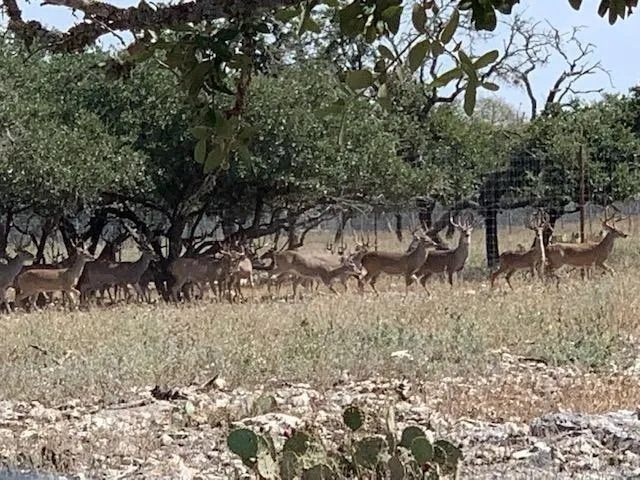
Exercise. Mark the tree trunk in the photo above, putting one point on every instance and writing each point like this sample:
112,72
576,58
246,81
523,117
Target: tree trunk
491,236
174,237
294,240
4,233
96,226
425,207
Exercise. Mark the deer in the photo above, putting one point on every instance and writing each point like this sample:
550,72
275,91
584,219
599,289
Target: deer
45,280
395,263
303,266
584,255
514,260
101,275
361,248
9,272
201,270
241,270
449,261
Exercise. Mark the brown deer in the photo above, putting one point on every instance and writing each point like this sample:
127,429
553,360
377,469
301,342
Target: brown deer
46,280
396,263
585,254
103,275
9,271
200,271
514,260
303,266
449,261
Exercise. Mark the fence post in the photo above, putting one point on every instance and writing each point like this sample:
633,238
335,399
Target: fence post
581,200
375,227
582,193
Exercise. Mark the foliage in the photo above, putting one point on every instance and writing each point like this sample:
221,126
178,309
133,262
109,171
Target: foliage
52,160
304,455
550,160
295,156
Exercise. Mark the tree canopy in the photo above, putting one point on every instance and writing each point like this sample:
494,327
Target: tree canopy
215,46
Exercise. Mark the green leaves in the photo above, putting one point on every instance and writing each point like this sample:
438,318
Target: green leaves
353,417
391,16
200,152
304,457
486,59
490,86
244,443
216,158
450,28
470,93
419,17
445,78
359,79
368,451
422,450
386,53
409,434
417,54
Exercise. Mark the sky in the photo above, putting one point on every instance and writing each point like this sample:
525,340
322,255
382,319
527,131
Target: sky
615,45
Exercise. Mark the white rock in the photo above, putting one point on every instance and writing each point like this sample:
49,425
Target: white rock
522,454
166,439
300,401
402,354
220,383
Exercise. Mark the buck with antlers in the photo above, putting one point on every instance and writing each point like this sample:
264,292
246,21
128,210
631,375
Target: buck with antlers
396,263
47,280
514,260
449,261
585,254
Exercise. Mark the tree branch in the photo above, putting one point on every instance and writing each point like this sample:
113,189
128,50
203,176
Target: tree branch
103,18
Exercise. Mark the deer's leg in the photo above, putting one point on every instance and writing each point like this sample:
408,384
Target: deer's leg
495,275
344,280
424,278
329,284
5,302
408,280
73,295
450,277
175,290
508,278
294,285
372,282
606,268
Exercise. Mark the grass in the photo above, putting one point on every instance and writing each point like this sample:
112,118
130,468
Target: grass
591,325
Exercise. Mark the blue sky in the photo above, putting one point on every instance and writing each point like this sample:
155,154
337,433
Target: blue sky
615,44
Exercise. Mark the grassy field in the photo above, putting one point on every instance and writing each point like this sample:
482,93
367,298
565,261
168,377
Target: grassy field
104,353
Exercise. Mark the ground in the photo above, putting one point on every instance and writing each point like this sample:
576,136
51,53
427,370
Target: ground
574,348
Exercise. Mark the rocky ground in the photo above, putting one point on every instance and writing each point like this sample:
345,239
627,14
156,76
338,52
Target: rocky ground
181,433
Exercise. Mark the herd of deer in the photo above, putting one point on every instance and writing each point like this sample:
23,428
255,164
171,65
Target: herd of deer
84,277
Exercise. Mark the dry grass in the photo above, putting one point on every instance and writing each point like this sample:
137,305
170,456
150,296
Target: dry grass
105,353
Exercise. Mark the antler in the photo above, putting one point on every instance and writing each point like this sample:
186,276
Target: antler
469,220
538,219
456,225
616,216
